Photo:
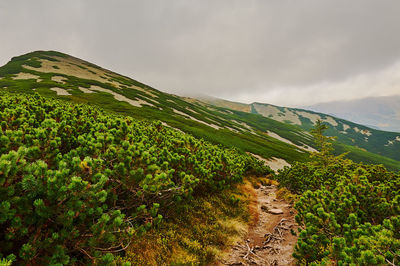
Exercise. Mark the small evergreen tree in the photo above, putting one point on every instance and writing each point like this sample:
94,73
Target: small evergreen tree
323,143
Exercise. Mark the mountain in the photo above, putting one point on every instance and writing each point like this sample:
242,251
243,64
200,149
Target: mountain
348,133
376,141
266,131
377,112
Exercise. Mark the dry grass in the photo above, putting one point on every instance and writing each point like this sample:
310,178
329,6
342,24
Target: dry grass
251,194
199,231
268,182
285,194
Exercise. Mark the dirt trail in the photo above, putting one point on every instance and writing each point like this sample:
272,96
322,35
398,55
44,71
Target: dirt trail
269,241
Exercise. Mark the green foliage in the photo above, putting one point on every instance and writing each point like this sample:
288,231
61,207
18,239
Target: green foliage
8,260
357,154
235,127
197,232
352,218
77,184
349,213
323,143
323,169
378,143
244,131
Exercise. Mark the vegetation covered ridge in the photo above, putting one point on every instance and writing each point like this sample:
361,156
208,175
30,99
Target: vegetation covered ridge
379,142
269,132
57,75
349,213
78,184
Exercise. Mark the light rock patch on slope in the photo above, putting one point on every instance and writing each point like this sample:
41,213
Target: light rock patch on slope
59,79
276,114
72,67
195,119
274,163
362,131
75,67
305,147
60,91
23,75
314,117
392,142
345,127
85,90
122,98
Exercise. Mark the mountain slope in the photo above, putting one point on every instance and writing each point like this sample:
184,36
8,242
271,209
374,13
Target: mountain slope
376,141
58,75
62,76
377,112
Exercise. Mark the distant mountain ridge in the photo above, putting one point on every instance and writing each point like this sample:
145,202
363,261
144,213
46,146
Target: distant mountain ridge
378,112
263,130
347,132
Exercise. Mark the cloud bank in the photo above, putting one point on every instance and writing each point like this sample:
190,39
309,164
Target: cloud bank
281,52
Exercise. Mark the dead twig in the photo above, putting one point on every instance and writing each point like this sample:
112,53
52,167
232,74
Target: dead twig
250,251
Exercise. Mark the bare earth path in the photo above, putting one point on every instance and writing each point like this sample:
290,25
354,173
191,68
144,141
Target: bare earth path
269,241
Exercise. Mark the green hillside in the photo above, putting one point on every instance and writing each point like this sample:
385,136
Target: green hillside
77,181
348,212
57,75
382,143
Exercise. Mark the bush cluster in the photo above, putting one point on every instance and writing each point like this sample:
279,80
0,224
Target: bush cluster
76,184
349,213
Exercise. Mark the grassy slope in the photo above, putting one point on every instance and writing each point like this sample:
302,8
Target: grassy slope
196,233
362,148
375,143
360,155
250,138
195,230
258,143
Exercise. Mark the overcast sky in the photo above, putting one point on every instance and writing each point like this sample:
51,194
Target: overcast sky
283,52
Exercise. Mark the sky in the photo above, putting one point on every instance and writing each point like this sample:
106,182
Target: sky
283,52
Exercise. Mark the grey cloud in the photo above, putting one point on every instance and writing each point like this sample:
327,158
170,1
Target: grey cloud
282,52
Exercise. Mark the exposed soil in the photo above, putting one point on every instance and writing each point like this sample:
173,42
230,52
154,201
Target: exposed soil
269,240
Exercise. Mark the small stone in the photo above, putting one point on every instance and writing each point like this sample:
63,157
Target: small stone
275,211
264,208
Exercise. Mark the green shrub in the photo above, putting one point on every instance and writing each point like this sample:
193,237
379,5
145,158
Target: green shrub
77,184
349,213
